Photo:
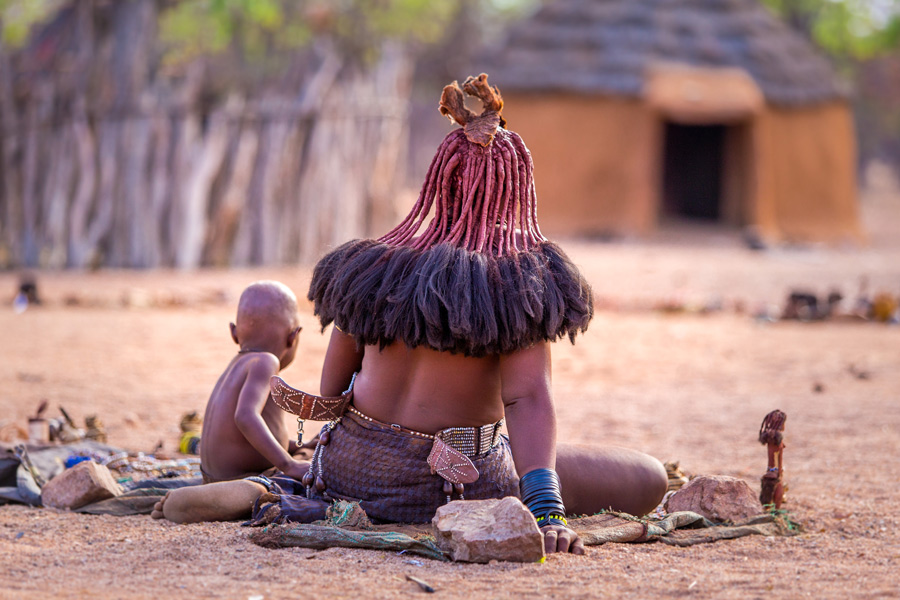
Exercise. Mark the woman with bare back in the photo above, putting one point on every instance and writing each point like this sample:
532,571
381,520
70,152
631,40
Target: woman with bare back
443,331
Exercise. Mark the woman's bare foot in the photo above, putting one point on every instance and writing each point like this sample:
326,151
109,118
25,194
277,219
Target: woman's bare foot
225,501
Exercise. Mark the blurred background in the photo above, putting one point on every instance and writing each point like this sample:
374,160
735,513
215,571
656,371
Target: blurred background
161,133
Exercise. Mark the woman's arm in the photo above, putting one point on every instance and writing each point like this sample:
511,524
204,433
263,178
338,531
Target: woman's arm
528,407
531,422
342,360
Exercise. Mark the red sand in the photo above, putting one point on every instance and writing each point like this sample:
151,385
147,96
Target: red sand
680,386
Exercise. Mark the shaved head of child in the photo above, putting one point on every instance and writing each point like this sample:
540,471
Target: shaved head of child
267,320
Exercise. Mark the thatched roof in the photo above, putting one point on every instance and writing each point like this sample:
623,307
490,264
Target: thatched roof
606,46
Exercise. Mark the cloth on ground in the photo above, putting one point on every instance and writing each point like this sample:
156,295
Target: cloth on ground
682,528
348,526
207,478
676,529
17,483
386,471
140,499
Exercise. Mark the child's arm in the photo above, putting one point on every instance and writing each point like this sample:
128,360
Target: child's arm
342,360
248,415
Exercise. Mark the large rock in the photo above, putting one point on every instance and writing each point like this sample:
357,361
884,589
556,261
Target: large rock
716,497
485,530
83,484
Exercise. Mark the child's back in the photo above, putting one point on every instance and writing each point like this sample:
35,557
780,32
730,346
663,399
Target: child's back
225,452
244,433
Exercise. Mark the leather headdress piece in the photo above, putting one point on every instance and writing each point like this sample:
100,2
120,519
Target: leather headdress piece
479,277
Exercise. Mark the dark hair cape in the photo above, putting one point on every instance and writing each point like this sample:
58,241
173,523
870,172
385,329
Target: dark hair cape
451,299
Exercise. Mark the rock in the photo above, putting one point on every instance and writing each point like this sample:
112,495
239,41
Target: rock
716,497
83,484
485,530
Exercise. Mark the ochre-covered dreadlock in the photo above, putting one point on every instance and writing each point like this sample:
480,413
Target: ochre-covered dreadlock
479,278
480,183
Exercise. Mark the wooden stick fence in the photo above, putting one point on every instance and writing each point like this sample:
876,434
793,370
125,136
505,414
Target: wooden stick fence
158,180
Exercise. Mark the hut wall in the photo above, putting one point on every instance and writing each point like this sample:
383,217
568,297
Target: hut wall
739,180
595,166
806,177
790,171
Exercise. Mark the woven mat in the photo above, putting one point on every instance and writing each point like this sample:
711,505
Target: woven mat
676,529
346,528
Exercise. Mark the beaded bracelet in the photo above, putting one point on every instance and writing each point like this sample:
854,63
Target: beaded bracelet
541,494
552,520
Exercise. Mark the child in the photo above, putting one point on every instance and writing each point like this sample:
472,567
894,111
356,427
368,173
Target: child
244,433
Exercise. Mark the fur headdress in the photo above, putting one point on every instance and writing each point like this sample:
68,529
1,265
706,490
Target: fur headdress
479,277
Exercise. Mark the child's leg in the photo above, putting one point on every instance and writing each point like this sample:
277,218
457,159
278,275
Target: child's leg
223,501
594,478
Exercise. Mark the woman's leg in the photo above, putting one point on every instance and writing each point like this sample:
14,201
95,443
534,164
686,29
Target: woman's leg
594,478
223,501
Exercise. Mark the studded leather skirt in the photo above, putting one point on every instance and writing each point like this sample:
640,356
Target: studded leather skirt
385,469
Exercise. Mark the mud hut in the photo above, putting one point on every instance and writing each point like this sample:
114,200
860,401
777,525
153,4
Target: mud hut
640,111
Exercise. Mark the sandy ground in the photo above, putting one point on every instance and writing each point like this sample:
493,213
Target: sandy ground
140,349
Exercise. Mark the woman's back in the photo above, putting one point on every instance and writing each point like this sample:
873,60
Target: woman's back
426,390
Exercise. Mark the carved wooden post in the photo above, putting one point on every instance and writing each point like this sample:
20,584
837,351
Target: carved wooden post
771,433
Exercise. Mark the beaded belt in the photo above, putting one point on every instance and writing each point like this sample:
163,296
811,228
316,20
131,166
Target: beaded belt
472,441
452,450
469,441
451,453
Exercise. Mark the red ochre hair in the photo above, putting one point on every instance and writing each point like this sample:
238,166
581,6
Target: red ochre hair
479,278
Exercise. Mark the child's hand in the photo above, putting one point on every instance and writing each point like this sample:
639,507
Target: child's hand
558,538
305,451
294,447
296,469
311,444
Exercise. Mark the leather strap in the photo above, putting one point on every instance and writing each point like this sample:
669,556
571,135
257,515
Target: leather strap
309,406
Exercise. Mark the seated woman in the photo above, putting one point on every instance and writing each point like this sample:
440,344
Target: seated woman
447,326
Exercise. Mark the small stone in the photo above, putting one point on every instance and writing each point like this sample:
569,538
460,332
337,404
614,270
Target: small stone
485,530
83,484
718,498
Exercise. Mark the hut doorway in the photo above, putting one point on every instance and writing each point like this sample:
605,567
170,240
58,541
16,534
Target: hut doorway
707,172
693,170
